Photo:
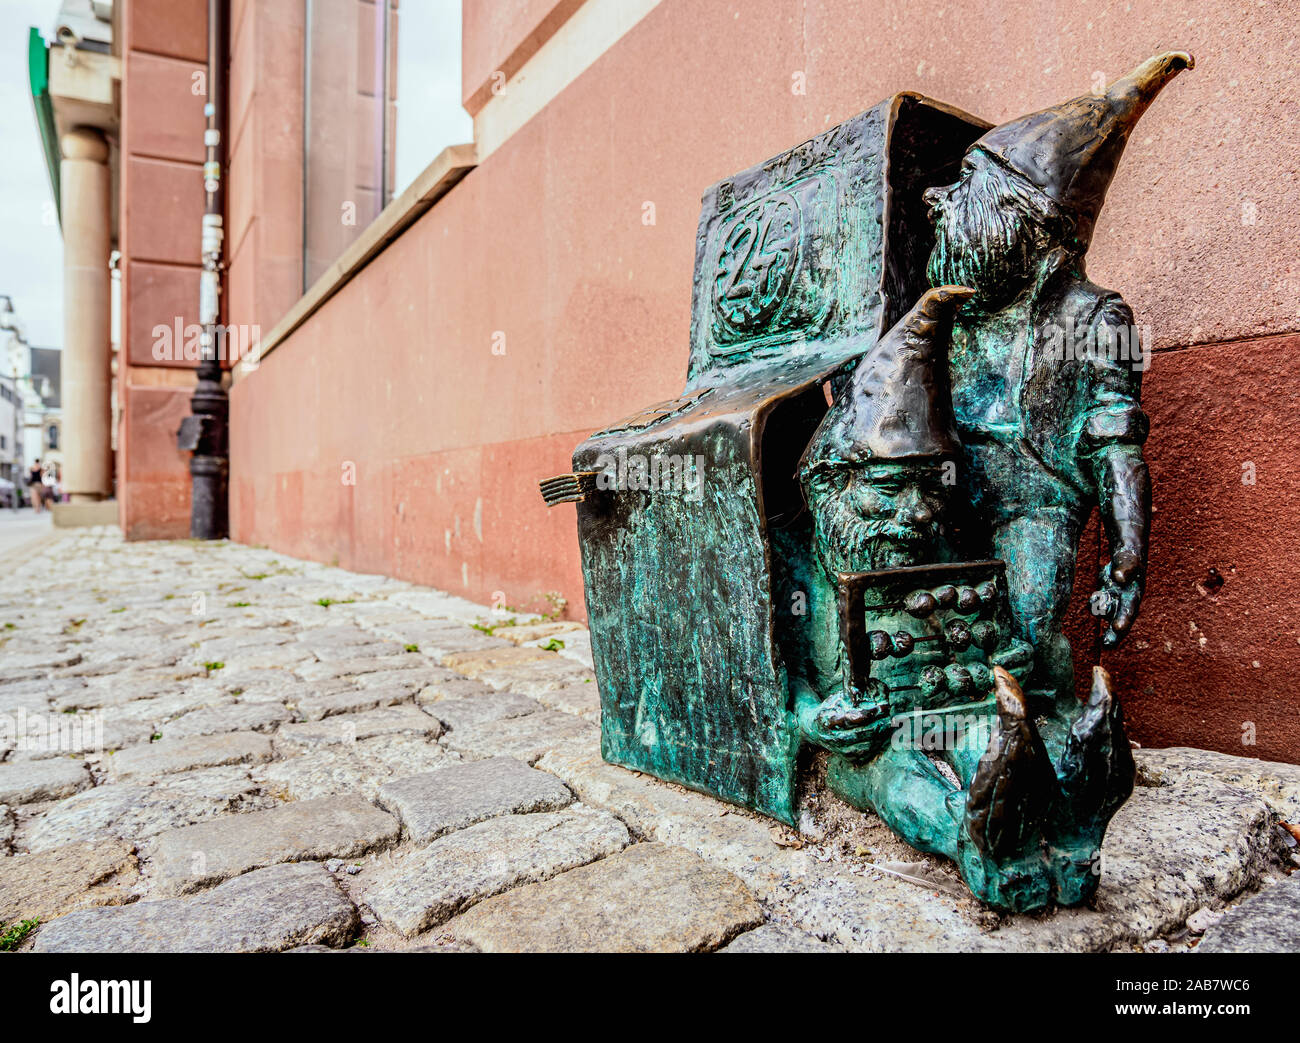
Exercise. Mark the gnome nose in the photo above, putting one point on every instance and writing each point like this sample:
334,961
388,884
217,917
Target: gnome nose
914,510
933,199
920,514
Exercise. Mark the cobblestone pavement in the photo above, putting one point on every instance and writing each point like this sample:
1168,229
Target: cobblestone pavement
216,747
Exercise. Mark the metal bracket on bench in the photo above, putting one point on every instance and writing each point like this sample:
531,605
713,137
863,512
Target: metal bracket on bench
568,488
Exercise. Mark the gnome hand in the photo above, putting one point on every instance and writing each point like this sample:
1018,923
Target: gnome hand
1119,595
845,725
937,306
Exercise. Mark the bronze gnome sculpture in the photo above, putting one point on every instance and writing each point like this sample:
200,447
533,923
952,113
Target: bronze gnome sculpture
880,551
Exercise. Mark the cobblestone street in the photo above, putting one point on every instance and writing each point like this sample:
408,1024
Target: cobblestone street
216,747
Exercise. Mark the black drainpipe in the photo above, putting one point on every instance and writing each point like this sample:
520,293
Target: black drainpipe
205,432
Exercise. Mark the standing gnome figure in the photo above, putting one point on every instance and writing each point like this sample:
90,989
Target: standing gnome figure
1045,399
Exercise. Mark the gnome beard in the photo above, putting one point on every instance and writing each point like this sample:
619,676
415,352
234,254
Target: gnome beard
986,236
853,538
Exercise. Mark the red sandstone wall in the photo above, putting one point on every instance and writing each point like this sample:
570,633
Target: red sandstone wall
545,243
164,42
264,188
499,37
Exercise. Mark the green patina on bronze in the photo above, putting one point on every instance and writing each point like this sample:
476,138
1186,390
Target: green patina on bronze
886,578
801,262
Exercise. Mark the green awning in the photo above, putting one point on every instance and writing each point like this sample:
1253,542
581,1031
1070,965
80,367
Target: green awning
38,71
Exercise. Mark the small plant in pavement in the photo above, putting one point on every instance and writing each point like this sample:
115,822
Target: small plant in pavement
13,935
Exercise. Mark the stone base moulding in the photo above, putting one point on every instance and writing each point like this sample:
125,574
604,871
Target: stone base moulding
78,515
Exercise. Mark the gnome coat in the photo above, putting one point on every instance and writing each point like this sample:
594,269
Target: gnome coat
1052,403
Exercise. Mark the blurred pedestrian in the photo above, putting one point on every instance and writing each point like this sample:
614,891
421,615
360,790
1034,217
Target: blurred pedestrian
36,485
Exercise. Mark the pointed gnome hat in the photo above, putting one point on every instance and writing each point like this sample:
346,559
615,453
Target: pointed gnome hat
899,405
1071,150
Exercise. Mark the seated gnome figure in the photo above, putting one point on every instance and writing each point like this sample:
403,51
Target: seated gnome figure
1023,819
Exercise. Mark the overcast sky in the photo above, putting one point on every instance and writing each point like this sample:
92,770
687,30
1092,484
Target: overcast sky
31,250
429,115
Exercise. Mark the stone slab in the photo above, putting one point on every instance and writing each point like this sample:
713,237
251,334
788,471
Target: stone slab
481,709
446,608
1268,921
31,697
647,898
93,734
51,883
360,665
1277,783
1174,847
336,636
454,797
30,781
353,700
206,853
241,717
159,709
204,751
415,679
526,738
375,647
268,910
577,646
24,666
135,811
453,687
538,678
432,885
352,727
436,640
526,632
234,641
580,699
474,663
774,937
360,767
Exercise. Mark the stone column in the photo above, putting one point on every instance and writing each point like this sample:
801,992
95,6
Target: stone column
87,442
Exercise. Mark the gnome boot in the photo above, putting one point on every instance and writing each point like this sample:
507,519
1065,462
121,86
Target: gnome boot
1013,786
1096,775
1096,771
1000,849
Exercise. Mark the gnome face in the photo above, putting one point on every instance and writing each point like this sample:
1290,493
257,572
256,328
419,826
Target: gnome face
990,228
873,472
878,515
1037,182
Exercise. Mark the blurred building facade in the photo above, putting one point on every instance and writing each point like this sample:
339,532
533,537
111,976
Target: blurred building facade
43,409
11,432
428,351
